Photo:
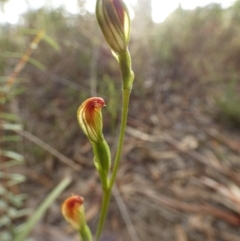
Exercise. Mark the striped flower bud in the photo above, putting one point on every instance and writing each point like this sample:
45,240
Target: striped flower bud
90,118
114,21
73,211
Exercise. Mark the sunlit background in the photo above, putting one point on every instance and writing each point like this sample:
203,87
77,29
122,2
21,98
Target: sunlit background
160,9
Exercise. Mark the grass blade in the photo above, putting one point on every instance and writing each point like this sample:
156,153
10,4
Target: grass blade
42,209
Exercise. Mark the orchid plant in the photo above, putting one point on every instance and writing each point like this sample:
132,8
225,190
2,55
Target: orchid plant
114,21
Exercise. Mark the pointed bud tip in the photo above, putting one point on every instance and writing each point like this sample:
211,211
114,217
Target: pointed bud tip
96,102
73,200
91,104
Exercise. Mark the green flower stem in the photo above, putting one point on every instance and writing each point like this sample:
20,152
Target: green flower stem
107,192
102,161
85,233
103,214
126,96
125,63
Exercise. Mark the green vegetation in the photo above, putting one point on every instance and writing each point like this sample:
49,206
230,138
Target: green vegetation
11,199
198,47
229,105
197,50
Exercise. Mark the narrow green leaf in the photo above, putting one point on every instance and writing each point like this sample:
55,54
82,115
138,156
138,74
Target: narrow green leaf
11,212
11,138
8,116
3,205
4,221
3,191
10,164
37,64
17,200
29,31
6,236
8,54
16,91
48,39
14,178
19,55
11,127
12,155
22,213
36,216
3,79
51,42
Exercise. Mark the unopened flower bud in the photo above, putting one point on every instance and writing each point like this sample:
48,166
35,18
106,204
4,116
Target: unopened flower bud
73,211
90,118
114,21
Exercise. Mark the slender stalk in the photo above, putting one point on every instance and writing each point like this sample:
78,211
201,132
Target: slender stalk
85,233
25,57
125,103
103,214
107,192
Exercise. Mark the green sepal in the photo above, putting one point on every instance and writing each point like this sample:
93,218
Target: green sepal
115,55
126,69
103,177
102,160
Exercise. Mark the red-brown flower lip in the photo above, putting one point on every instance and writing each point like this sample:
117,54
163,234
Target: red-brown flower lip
71,203
95,102
119,10
72,210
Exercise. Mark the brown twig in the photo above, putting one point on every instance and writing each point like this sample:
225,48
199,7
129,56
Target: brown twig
177,145
221,189
50,149
188,207
25,57
131,229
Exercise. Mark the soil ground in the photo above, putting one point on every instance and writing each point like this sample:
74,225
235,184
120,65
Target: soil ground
178,179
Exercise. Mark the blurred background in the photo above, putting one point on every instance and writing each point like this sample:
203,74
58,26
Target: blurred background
179,176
